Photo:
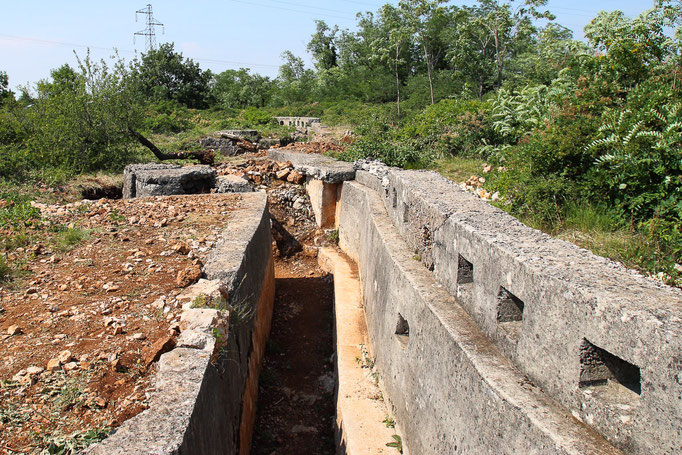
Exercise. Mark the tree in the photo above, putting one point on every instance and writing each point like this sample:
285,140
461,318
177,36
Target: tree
322,46
389,46
470,50
5,92
87,119
165,74
627,50
419,14
294,80
79,120
240,89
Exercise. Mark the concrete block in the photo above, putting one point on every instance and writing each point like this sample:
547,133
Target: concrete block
232,184
163,180
323,199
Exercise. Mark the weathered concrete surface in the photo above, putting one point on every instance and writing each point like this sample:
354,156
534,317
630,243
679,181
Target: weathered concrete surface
570,296
450,387
130,171
316,166
360,427
232,184
323,199
204,397
259,337
144,180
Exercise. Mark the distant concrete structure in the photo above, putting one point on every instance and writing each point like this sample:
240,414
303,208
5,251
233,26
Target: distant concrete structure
298,122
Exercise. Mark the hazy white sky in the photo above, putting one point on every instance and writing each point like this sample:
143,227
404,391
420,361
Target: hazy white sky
39,35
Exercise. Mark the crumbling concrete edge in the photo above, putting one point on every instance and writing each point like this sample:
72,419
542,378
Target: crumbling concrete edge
206,388
450,387
316,166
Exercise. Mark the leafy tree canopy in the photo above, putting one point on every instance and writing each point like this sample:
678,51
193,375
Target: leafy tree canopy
164,73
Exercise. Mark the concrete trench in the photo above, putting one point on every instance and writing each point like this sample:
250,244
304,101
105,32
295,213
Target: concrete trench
439,324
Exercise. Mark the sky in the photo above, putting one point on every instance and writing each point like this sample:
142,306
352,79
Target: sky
37,36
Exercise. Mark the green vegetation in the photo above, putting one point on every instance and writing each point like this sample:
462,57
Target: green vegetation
5,270
582,138
70,237
397,443
388,421
73,443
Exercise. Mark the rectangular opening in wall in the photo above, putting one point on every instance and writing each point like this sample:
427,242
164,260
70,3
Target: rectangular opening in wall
509,313
465,271
600,367
509,307
402,330
465,280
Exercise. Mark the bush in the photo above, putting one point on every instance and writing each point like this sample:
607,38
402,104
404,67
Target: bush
254,117
393,154
664,247
452,127
168,116
17,212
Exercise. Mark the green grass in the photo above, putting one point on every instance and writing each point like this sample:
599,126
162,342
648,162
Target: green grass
68,239
458,169
5,270
13,242
591,218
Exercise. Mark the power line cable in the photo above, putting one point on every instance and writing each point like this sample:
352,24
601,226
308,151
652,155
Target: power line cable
293,10
127,51
310,7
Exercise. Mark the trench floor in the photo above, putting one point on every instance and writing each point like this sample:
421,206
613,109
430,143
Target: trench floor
296,411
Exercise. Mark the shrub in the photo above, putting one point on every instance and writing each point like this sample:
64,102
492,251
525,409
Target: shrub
17,212
452,127
393,154
253,117
168,116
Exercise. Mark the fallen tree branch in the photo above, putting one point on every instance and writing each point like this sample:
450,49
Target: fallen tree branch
203,156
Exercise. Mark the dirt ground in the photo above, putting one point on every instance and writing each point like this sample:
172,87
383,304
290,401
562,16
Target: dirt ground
94,306
295,410
91,312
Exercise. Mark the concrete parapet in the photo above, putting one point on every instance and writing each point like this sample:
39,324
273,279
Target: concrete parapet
450,387
602,340
323,200
316,166
205,388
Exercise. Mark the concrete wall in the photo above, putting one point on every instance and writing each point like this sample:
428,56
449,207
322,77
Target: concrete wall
204,401
545,347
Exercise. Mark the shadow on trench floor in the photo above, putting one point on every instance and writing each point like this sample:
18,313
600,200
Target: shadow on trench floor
296,410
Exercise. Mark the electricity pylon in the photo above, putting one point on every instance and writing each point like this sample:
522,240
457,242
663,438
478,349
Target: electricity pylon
149,31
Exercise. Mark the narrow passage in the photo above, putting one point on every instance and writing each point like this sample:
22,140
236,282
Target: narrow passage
295,404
